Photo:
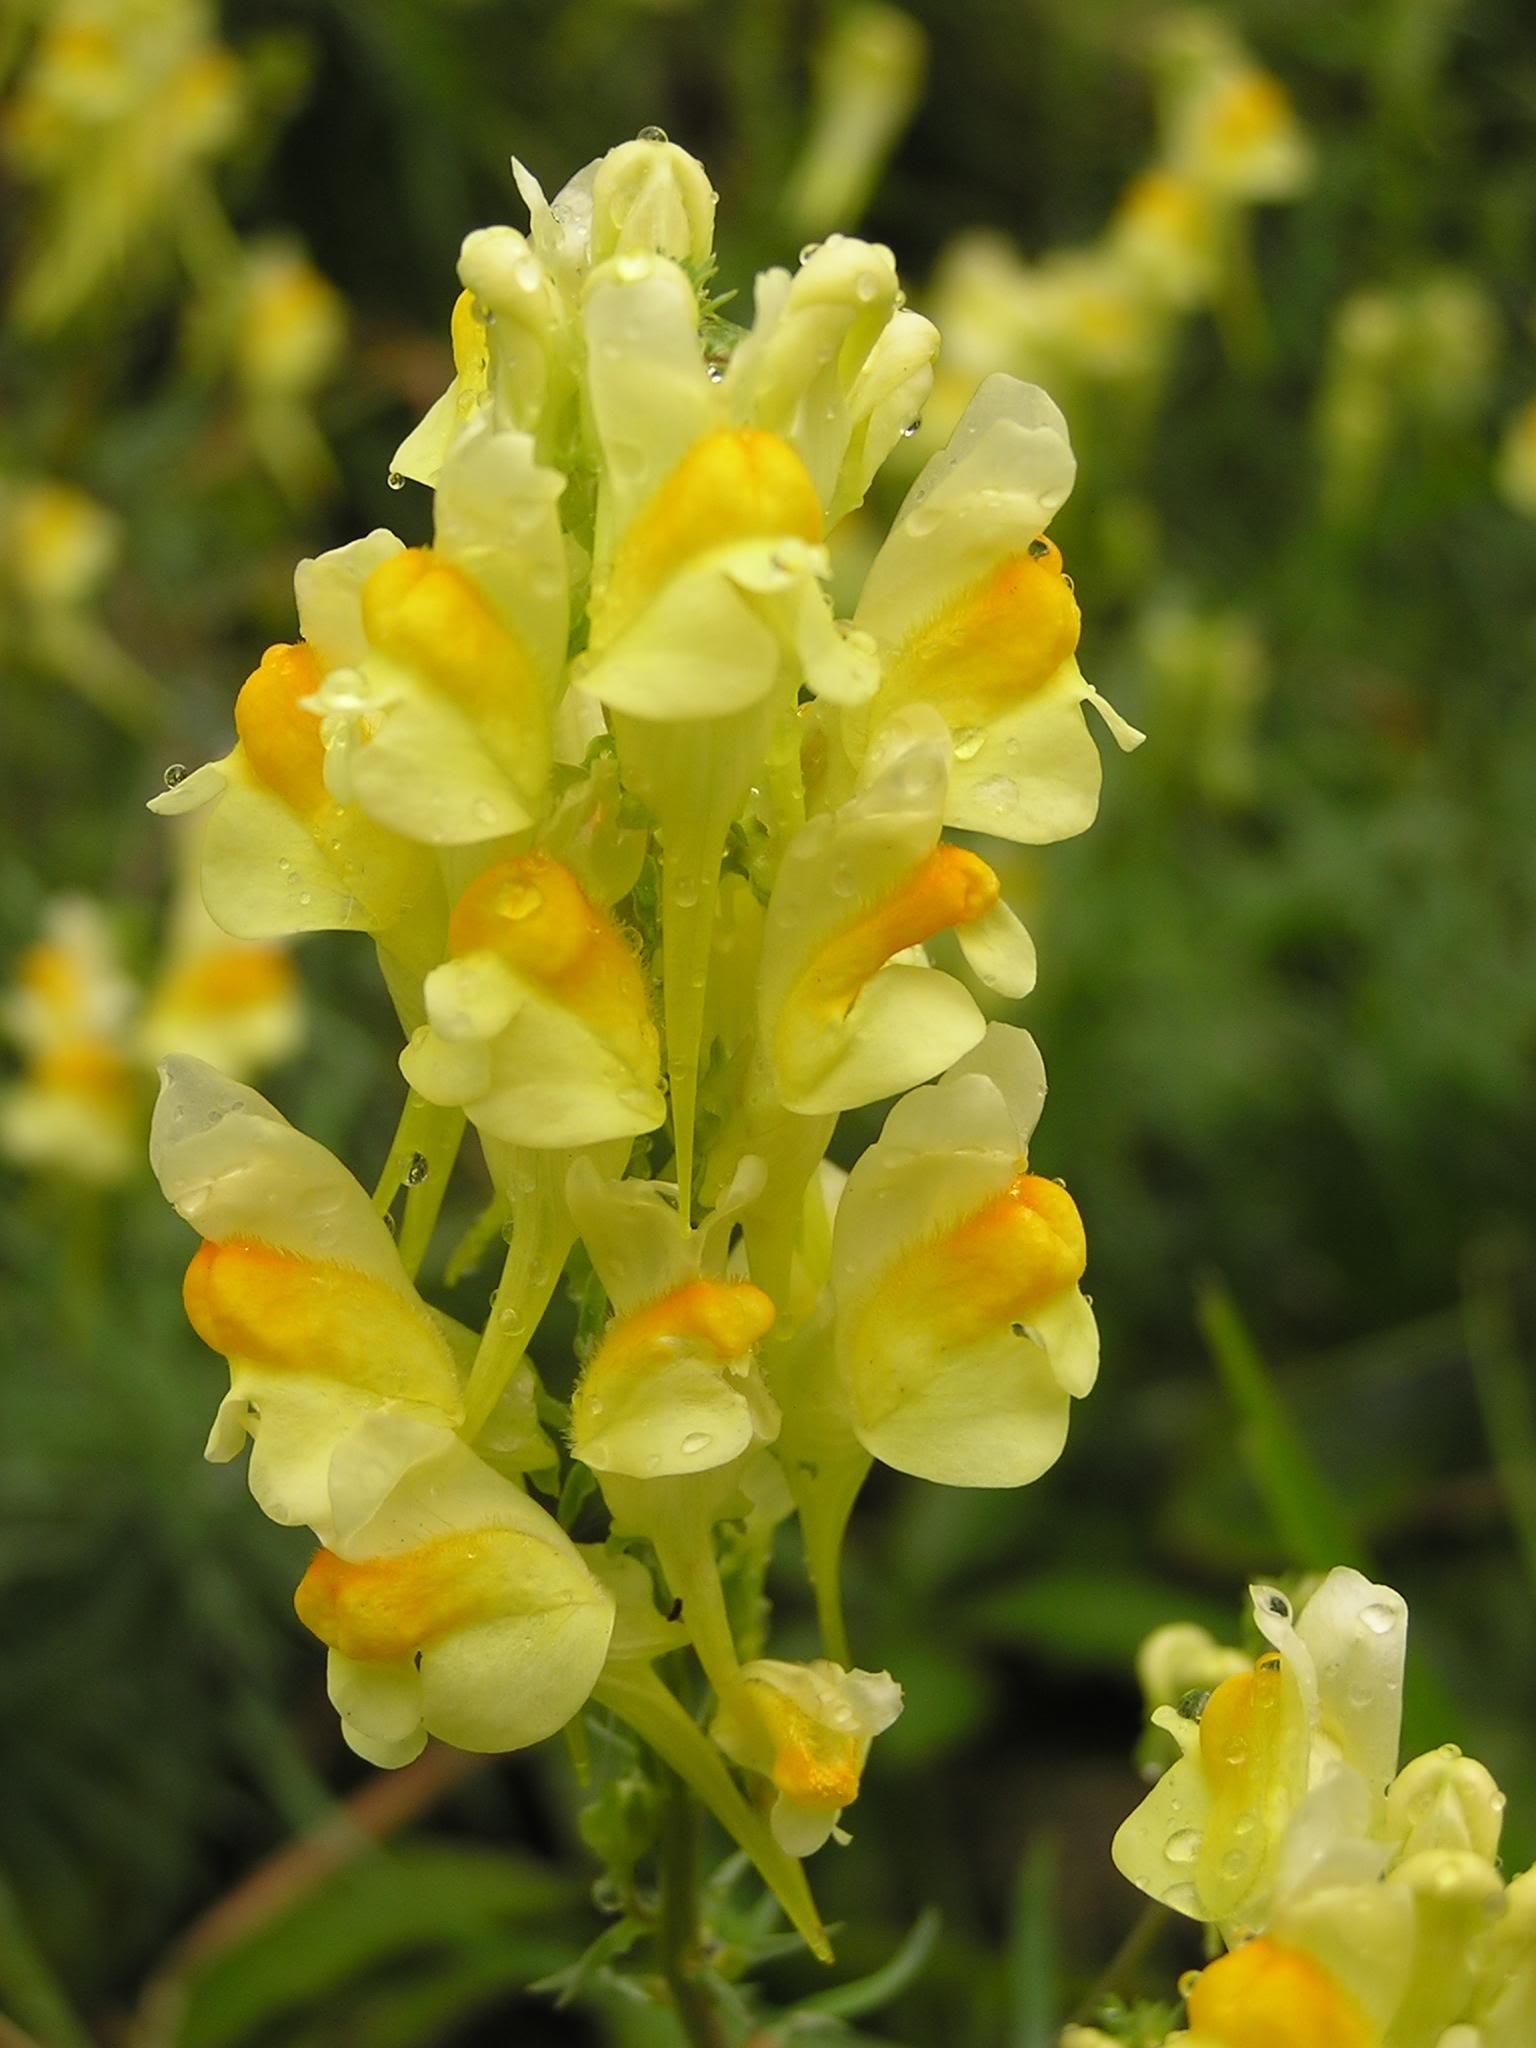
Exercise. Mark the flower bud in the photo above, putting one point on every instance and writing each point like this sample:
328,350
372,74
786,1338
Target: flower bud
1444,1800
651,198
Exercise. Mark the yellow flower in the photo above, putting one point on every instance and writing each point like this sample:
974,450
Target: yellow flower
807,1729
279,852
846,1013
441,729
292,324
972,614
674,1387
234,1003
452,1605
76,1108
962,1336
299,1284
59,544
714,590
540,1021
1265,1996
1315,1721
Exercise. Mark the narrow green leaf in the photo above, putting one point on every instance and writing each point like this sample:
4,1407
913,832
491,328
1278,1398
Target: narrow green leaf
868,1994
1032,1968
1312,1526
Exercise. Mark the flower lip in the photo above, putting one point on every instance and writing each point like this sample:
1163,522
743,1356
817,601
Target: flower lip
384,1608
281,737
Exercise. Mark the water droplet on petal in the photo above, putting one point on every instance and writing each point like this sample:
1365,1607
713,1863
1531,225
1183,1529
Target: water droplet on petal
912,427
176,773
1183,1845
1378,1618
418,1170
969,741
395,480
651,133
695,1441
809,251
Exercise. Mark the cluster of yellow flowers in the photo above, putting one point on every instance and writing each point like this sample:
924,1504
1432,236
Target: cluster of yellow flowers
1103,316
651,847
1364,1905
90,1038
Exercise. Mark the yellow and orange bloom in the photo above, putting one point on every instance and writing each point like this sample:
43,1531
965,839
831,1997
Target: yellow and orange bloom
77,1107
807,1729
540,1021
299,1283
714,592
1313,1726
279,853
972,613
962,1336
452,1605
848,1009
235,1004
441,728
673,1388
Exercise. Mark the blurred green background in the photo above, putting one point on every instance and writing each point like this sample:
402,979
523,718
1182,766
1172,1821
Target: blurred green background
1287,999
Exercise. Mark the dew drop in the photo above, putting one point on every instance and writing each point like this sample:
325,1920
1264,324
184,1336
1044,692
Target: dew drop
696,1441
1183,1898
866,286
1378,1618
809,251
395,480
485,811
651,133
910,429
969,741
716,373
1183,1845
1245,1824
305,899
176,773
1234,1863
418,1170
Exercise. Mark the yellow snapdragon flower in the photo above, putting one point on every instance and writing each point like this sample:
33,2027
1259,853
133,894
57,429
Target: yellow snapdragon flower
962,1336
76,1108
299,1283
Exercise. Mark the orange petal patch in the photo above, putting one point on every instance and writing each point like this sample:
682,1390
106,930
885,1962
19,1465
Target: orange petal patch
281,739
386,1608
994,645
950,887
1024,1248
315,1317
736,485
534,914
425,614
1266,1996
726,1317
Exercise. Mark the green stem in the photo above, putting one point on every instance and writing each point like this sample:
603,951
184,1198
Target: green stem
421,1159
534,1184
677,1935
638,1697
1146,1928
825,1505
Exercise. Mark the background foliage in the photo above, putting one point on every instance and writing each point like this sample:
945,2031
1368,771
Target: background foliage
1288,1005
